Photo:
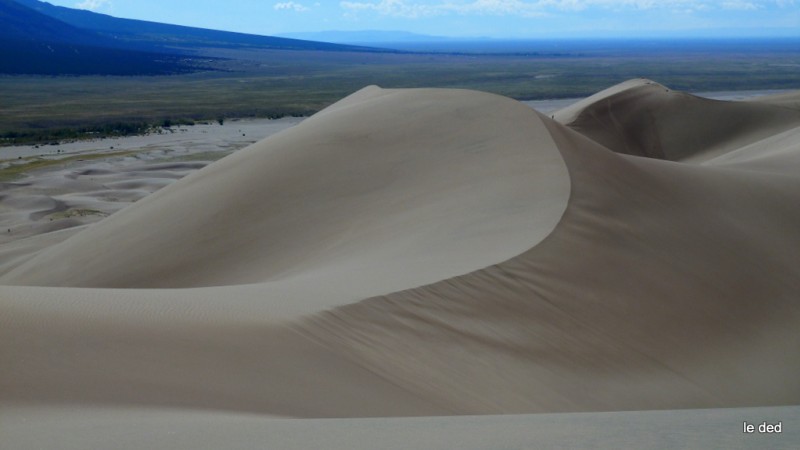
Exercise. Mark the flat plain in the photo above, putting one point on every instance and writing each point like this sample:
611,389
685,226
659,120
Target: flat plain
278,83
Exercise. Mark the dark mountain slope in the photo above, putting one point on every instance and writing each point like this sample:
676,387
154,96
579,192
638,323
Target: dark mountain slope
22,23
34,43
152,33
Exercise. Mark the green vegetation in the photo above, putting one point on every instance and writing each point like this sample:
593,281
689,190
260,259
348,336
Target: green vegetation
16,169
281,83
201,156
76,212
52,136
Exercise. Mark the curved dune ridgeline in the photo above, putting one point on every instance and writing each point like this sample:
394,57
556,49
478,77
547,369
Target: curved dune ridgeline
437,252
643,118
420,184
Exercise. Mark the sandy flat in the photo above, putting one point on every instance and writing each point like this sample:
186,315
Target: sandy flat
424,252
177,140
90,180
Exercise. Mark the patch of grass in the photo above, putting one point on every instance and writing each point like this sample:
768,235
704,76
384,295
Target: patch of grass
76,212
201,156
17,170
117,129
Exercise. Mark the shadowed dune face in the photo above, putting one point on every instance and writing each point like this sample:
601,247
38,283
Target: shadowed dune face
663,286
644,118
437,252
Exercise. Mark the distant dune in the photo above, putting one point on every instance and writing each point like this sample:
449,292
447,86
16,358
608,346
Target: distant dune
643,118
435,252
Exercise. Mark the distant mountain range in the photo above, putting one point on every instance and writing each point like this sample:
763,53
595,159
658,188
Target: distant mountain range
366,37
39,38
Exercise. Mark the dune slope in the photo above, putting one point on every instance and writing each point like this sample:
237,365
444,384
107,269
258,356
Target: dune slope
428,252
663,286
385,185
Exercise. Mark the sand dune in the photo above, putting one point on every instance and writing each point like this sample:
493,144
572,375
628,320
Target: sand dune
626,306
382,186
431,252
643,118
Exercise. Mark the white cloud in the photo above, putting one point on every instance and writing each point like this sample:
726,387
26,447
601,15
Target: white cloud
397,8
740,5
290,6
92,5
500,7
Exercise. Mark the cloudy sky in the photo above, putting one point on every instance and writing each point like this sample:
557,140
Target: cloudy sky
472,18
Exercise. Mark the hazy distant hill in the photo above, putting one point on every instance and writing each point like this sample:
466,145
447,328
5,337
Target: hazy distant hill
153,33
364,37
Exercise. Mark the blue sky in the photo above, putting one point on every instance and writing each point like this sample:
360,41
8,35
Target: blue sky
472,18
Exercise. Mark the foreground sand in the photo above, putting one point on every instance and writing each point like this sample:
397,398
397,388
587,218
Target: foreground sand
434,252
79,429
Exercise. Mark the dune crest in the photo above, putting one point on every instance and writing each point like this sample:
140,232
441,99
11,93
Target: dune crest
384,185
643,118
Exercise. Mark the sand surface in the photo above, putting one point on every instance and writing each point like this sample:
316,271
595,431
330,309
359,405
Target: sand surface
419,252
88,180
77,428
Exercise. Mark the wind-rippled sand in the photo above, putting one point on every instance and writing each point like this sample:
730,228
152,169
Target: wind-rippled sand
429,252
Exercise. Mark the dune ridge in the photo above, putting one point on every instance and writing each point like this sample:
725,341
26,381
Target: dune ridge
436,252
643,118
413,181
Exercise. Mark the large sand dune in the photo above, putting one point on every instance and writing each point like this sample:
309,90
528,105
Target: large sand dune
433,252
385,184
